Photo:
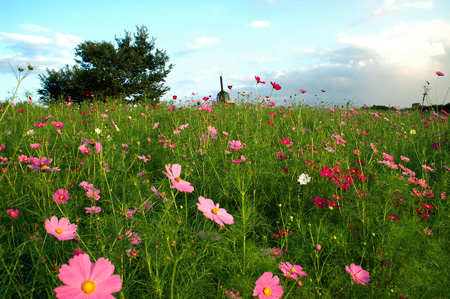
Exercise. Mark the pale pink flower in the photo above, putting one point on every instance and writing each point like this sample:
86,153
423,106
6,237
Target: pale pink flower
93,210
236,145
267,287
291,271
84,279
428,168
61,196
173,173
405,158
42,164
133,238
35,145
61,229
160,195
358,274
155,126
213,212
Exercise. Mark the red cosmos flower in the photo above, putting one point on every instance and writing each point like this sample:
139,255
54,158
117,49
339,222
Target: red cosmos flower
422,213
322,90
230,87
271,123
286,141
429,207
275,85
205,98
258,80
440,74
174,97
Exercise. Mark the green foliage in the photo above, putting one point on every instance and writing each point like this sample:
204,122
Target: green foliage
133,69
183,254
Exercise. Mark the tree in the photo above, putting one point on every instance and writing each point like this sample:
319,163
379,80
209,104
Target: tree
134,69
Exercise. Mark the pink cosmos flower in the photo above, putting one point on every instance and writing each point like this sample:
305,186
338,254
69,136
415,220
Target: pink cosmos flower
160,195
93,210
61,229
428,168
39,125
213,212
58,124
388,157
98,145
42,164
173,173
440,74
275,85
133,238
303,90
84,279
35,145
24,159
406,159
358,274
13,213
292,271
144,158
258,80
236,145
61,196
267,287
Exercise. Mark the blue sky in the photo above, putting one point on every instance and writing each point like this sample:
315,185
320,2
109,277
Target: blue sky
366,51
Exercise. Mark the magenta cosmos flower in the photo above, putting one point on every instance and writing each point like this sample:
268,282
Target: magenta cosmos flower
213,212
358,274
305,90
267,287
13,213
42,164
61,196
440,74
275,85
258,80
84,279
173,173
292,271
61,229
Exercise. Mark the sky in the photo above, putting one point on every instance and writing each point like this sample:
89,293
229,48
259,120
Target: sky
374,52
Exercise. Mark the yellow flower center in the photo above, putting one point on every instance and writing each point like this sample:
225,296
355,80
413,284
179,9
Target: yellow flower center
88,287
92,141
59,231
215,210
177,179
44,166
61,197
93,208
267,291
356,275
163,194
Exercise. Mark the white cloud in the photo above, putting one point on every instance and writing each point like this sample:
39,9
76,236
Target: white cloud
43,49
397,6
203,42
404,45
260,24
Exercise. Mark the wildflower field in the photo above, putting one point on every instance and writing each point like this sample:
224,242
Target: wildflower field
220,200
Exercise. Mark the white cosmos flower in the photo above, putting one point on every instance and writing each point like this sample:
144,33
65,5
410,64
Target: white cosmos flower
304,179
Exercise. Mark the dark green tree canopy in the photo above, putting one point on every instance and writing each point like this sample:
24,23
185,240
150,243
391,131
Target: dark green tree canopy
134,69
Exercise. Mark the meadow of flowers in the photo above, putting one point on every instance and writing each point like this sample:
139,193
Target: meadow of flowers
202,200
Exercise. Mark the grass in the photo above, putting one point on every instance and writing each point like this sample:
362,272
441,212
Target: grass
182,253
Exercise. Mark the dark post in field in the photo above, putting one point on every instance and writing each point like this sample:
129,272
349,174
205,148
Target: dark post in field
222,95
